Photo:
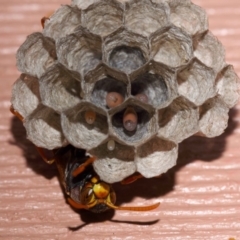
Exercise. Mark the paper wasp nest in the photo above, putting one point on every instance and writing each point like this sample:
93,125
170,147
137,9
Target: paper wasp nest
158,56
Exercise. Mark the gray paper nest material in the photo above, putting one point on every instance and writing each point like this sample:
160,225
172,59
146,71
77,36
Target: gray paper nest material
160,48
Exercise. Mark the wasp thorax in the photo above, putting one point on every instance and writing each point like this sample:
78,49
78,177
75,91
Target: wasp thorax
138,72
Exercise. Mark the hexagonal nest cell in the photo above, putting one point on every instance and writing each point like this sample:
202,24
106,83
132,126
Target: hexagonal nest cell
155,17
26,95
197,82
36,54
178,121
152,86
44,128
142,128
105,86
172,47
81,51
126,58
63,22
103,18
116,164
60,88
156,82
125,51
82,129
189,17
125,80
155,156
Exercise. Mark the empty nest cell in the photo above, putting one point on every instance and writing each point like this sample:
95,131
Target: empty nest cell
125,51
189,17
80,51
143,18
172,47
213,117
60,88
126,58
25,95
228,86
178,121
103,18
210,52
36,55
44,128
196,82
63,22
114,166
155,157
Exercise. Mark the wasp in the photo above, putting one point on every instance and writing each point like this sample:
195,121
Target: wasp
83,187
82,184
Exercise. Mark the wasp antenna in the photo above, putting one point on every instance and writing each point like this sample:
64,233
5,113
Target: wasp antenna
140,208
82,167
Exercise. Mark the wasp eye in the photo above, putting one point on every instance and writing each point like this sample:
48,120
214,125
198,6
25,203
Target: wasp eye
90,116
87,196
90,192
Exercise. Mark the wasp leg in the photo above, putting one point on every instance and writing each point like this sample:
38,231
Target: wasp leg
44,157
75,204
82,167
39,149
43,20
131,179
16,113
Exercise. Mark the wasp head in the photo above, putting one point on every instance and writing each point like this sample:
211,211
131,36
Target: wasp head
95,195
98,196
